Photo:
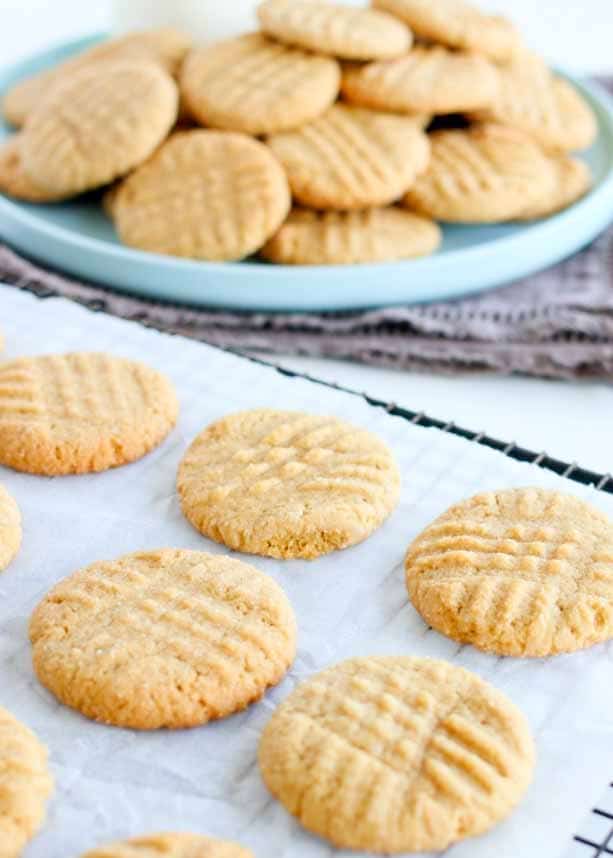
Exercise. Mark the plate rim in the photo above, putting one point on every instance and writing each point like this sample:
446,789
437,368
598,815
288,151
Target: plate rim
320,276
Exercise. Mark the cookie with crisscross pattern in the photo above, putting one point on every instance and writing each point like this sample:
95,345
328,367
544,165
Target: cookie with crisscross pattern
429,79
328,28
211,195
397,754
484,174
165,46
458,25
81,412
344,238
14,181
25,785
163,638
10,528
287,484
524,572
573,181
99,124
255,85
351,158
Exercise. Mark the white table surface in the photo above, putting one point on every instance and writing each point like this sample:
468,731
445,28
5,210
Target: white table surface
571,420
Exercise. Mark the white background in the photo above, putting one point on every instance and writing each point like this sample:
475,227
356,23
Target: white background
573,421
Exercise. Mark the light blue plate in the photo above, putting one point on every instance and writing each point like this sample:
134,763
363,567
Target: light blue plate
76,237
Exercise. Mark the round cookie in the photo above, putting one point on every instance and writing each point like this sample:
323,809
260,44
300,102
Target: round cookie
521,572
10,528
98,125
14,181
397,754
255,85
328,28
25,785
163,638
484,174
458,25
574,179
165,46
170,846
205,194
428,79
81,412
344,238
352,158
547,107
286,484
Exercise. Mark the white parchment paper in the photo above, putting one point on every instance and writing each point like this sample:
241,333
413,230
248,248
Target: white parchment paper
113,783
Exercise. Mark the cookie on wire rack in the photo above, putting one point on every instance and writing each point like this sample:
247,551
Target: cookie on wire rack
286,484
329,28
170,846
520,572
168,638
10,528
397,754
26,785
81,412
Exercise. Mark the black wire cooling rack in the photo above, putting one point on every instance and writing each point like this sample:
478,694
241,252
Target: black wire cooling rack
598,837
595,837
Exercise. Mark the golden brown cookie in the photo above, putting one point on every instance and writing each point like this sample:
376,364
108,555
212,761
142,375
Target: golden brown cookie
205,194
352,158
429,79
457,24
163,638
166,46
25,785
543,105
102,122
287,484
574,179
14,181
343,238
10,528
81,412
484,174
257,86
397,754
523,572
328,28
170,846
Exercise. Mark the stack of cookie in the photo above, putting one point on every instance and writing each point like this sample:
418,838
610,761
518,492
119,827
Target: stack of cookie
336,135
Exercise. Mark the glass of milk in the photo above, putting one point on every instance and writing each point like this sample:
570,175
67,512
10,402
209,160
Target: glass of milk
206,20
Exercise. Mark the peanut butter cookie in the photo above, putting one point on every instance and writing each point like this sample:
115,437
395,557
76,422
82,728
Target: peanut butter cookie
523,572
163,639
397,755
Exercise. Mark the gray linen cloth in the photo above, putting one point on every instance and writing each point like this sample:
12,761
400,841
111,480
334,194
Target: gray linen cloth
558,323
